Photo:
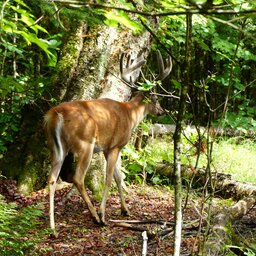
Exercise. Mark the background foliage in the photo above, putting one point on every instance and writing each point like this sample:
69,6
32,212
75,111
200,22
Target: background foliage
28,53
222,80
221,86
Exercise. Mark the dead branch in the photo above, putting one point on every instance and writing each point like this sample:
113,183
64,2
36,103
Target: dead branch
159,222
163,228
131,227
186,11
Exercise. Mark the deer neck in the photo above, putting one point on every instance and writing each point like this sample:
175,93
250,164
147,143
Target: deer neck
138,111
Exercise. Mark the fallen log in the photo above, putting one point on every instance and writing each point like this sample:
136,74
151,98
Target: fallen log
222,226
235,189
223,183
160,129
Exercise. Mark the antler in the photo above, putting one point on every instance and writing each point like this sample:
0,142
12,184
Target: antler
163,71
130,73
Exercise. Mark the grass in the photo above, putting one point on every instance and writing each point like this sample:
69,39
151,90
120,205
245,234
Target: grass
233,156
236,159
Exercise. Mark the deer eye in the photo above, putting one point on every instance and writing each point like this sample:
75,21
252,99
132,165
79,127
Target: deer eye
153,98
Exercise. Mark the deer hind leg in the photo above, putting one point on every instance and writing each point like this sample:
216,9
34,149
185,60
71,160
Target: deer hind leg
84,159
120,183
52,179
111,158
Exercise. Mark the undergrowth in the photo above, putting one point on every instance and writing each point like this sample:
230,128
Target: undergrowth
19,228
139,166
234,156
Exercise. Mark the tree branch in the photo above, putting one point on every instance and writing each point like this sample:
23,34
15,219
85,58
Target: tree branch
203,11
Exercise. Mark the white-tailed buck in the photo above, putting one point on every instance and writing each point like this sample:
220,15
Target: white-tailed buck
86,127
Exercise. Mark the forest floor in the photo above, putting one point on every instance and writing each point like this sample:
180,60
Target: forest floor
78,235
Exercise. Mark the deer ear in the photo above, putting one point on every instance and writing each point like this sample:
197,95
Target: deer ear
138,94
153,98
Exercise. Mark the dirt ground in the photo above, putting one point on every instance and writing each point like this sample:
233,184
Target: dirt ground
79,235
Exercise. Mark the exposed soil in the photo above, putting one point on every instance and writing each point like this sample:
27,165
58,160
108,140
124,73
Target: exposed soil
78,235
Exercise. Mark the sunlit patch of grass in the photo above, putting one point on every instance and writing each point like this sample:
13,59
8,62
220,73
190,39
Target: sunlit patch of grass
233,156
238,159
162,149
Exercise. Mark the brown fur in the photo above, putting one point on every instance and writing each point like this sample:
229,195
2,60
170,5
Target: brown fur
85,127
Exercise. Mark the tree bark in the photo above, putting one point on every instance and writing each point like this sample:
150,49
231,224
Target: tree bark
222,226
224,185
88,67
177,139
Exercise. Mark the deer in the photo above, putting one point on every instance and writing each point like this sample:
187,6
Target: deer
85,127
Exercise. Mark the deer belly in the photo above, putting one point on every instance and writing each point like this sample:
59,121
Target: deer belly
97,148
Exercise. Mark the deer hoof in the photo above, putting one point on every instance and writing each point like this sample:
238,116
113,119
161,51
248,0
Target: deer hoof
102,220
102,223
53,235
96,220
125,212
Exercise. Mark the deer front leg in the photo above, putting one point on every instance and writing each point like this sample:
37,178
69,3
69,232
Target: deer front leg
120,184
111,158
84,160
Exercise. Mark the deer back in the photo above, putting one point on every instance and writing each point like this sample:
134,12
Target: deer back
104,122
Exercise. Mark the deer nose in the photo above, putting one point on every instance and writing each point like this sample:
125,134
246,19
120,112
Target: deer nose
160,110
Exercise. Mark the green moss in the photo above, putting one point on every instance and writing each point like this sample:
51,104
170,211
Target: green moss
33,175
32,181
96,184
97,190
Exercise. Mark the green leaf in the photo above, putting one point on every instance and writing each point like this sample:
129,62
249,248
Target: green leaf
147,86
239,86
8,27
12,48
41,43
135,167
225,56
28,21
54,44
114,18
156,180
177,84
204,46
145,127
149,169
20,2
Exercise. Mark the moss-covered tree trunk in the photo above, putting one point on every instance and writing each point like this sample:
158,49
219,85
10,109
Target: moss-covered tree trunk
88,67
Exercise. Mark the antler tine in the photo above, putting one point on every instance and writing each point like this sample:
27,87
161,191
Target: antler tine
131,71
163,71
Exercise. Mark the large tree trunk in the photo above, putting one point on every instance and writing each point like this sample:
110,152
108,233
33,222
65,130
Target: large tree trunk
88,67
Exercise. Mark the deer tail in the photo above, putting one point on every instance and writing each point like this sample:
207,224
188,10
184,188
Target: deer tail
53,123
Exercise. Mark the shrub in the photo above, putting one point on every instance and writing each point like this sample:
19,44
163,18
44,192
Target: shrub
18,228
